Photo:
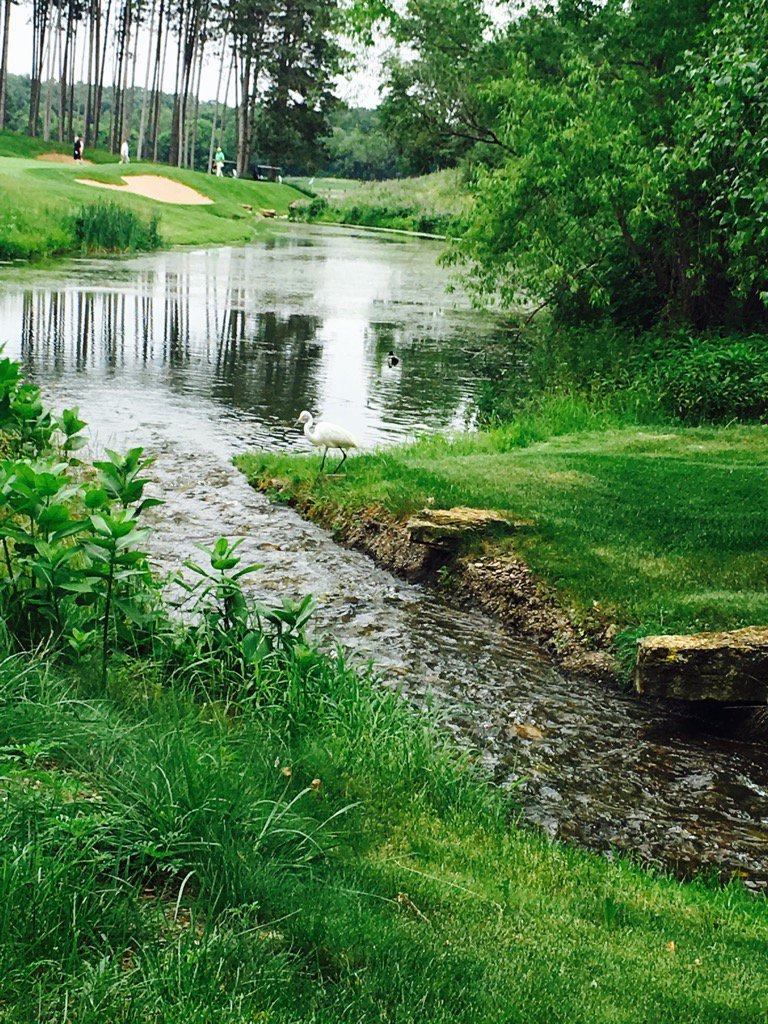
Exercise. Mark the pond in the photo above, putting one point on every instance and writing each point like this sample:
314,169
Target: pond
201,354
251,336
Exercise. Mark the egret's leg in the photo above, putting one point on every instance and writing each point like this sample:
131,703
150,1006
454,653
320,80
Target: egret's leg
325,455
343,459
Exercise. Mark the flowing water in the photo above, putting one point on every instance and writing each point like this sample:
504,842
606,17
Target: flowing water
201,354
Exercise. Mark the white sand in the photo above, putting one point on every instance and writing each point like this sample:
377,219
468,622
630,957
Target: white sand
154,186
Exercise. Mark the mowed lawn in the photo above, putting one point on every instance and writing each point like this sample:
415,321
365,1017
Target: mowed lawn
37,196
666,529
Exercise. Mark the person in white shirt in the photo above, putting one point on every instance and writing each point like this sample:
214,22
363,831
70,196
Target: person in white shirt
125,153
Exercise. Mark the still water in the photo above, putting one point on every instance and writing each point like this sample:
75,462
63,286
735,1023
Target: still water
201,354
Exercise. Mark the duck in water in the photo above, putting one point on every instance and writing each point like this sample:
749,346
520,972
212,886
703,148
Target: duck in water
392,359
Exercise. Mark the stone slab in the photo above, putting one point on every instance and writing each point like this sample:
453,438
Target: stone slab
443,526
728,667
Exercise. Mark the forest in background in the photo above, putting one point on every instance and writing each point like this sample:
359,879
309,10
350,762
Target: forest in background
99,68
355,145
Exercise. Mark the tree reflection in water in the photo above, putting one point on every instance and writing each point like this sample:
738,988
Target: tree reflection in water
263,331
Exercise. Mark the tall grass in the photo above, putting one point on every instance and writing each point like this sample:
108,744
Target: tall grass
108,227
316,853
434,204
158,839
673,376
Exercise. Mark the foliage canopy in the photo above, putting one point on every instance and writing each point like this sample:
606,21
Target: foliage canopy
617,151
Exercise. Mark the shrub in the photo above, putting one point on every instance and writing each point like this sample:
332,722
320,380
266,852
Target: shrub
311,210
710,378
107,227
704,378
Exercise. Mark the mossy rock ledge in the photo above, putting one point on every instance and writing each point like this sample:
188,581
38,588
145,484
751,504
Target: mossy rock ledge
443,527
730,666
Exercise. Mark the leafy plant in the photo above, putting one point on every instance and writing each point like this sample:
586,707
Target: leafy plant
108,227
239,634
117,576
77,575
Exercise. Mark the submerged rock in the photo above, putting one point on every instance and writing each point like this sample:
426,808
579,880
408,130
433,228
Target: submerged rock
730,666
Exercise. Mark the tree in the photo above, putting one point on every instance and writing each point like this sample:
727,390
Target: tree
301,63
358,146
616,152
5,36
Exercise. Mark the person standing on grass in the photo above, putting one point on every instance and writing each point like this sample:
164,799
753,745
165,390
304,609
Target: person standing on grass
219,161
77,149
125,152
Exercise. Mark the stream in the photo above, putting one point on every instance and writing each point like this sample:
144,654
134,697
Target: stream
200,354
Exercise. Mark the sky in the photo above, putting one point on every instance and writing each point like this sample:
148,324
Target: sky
360,88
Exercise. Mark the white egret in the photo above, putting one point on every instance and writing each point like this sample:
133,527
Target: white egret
327,435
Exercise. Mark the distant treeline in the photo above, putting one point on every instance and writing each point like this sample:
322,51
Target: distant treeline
97,68
353,145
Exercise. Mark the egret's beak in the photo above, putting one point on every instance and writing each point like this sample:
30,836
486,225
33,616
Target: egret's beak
297,423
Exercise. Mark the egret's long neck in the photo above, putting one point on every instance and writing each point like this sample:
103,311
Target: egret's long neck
308,428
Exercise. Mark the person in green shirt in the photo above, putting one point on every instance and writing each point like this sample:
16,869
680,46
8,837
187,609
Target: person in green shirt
219,161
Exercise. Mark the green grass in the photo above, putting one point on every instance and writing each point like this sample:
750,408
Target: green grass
36,199
664,527
14,144
434,204
158,865
109,227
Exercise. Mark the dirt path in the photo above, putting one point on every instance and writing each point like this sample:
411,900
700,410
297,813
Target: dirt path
62,158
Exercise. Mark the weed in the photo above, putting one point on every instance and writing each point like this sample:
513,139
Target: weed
108,227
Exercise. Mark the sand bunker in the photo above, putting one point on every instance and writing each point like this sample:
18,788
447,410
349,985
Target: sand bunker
61,158
154,186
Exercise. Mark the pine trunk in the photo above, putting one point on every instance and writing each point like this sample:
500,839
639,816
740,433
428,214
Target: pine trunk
64,69
4,62
216,104
101,51
89,78
143,118
159,98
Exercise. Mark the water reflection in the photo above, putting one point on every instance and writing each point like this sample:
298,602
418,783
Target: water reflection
298,321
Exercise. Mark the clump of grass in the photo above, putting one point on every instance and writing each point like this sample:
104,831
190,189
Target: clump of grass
108,227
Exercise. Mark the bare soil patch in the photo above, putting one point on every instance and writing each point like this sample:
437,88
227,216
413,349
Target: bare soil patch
62,158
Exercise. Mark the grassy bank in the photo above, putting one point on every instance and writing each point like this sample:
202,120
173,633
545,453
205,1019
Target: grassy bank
315,852
205,819
37,200
12,144
662,529
433,204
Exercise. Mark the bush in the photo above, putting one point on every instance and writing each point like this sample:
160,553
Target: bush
706,378
710,378
107,227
